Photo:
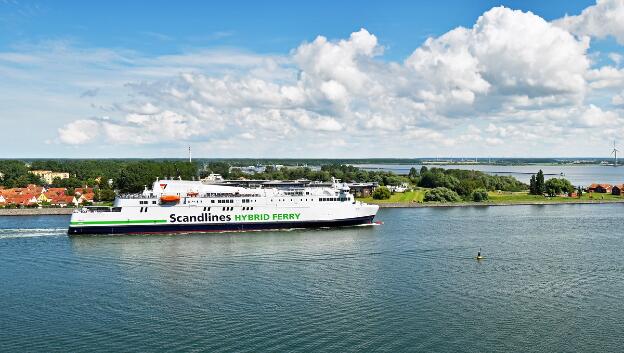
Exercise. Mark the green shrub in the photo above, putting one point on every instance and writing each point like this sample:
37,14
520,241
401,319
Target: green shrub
381,193
441,194
479,195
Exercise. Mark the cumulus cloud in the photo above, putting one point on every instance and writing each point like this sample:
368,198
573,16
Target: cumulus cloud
606,18
79,132
512,77
593,116
605,77
506,55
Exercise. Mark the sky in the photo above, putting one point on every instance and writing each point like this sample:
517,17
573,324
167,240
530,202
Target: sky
320,79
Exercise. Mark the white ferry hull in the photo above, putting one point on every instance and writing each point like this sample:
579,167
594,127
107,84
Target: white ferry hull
213,227
221,209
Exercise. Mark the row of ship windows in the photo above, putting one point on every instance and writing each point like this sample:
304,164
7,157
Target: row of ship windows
221,201
229,208
323,199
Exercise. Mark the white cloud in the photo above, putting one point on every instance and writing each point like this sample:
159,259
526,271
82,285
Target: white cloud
511,77
605,77
79,132
593,116
507,54
606,18
616,58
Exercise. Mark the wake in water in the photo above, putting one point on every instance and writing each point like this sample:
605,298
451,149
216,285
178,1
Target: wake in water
9,233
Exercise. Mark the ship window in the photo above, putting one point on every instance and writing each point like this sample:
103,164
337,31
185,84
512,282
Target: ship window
153,202
211,201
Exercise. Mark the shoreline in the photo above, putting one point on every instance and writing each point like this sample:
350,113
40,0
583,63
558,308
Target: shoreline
69,211
36,211
486,204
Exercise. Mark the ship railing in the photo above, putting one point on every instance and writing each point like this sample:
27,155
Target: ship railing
136,196
97,209
211,194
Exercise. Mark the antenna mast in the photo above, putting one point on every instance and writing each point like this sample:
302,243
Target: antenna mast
190,159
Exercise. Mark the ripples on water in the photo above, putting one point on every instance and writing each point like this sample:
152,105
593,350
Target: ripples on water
552,280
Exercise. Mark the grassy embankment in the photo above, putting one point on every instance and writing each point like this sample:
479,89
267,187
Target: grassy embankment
521,197
399,197
417,196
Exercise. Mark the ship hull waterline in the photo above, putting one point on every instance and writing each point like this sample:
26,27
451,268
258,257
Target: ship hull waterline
213,227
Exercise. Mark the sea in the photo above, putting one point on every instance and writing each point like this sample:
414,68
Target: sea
579,175
552,280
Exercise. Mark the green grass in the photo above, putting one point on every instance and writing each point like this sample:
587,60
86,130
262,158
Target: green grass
496,198
504,197
399,197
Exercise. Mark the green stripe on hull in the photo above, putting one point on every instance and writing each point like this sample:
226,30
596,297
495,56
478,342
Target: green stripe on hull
120,222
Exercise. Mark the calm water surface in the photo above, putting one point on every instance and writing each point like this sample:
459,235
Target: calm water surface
553,281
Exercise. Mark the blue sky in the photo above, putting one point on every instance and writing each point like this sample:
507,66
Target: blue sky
162,27
253,79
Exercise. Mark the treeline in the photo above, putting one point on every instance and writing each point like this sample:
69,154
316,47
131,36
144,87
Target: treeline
347,173
239,162
14,174
550,187
130,176
127,175
464,182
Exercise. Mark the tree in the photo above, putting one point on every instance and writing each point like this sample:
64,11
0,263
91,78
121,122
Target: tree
413,173
539,183
556,186
381,193
441,194
532,189
423,170
579,191
479,195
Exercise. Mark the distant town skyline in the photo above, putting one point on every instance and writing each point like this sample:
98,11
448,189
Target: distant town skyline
318,80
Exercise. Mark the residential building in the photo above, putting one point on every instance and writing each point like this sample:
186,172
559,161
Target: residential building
600,188
362,189
48,176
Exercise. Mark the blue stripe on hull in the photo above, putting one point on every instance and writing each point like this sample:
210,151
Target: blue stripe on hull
213,227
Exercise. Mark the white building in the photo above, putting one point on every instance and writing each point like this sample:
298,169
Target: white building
48,176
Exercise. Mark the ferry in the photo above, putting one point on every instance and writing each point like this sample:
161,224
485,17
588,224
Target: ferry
180,206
